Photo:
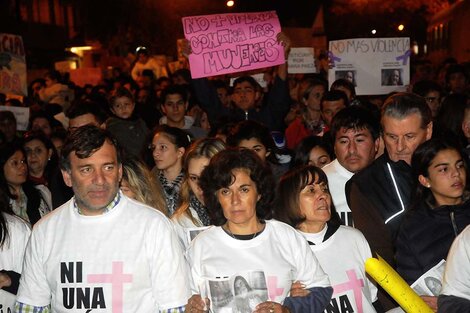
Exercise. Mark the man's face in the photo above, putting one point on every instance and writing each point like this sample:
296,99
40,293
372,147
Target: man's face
330,108
457,82
95,180
355,149
82,120
395,78
403,136
245,96
174,108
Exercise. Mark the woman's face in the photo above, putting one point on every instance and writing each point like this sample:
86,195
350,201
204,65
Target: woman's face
37,156
314,98
238,201
315,204
447,177
318,157
127,190
255,145
195,168
15,169
166,154
41,123
240,287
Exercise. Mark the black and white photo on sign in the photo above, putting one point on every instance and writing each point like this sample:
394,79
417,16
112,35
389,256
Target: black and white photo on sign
392,77
240,293
191,233
349,75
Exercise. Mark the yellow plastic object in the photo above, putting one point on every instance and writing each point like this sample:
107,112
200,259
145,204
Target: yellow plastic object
395,286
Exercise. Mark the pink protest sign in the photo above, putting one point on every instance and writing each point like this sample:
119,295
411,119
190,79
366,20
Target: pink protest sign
230,43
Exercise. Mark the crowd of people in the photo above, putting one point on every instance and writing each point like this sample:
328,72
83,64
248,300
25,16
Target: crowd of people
155,191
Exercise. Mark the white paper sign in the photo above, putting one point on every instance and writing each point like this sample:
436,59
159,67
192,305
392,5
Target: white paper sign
21,115
376,66
258,77
301,61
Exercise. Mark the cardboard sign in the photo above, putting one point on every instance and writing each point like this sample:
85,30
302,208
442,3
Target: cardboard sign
12,65
230,43
21,115
301,61
376,66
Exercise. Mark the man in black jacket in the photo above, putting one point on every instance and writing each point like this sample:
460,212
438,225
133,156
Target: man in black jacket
379,195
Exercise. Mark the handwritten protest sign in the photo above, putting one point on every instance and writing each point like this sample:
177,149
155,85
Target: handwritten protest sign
374,65
12,65
230,43
301,61
21,115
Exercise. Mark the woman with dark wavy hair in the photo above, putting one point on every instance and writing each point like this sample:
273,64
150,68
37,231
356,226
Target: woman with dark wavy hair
238,190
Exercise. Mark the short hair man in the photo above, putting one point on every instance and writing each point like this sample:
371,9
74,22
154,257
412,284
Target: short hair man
332,102
175,104
355,132
101,250
432,93
379,195
85,113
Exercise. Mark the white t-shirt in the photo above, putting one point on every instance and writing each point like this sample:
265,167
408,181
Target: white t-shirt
279,251
12,253
456,281
337,178
126,260
186,228
342,257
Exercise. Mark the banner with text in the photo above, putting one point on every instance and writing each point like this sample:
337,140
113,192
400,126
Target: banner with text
301,61
230,43
376,66
12,65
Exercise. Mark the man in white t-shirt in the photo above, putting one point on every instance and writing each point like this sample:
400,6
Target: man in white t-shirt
355,131
101,251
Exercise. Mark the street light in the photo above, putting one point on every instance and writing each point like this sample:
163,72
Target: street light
374,32
230,3
401,27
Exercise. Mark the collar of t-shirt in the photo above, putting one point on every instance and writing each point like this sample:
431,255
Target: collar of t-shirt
108,208
316,238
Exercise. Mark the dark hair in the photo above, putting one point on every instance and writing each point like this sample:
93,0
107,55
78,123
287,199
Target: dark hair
175,89
303,148
86,107
6,151
287,206
184,73
53,75
7,115
177,136
219,174
420,163
247,130
355,117
247,79
403,104
120,93
5,208
423,87
334,95
346,84
455,68
54,159
245,283
85,141
451,115
53,123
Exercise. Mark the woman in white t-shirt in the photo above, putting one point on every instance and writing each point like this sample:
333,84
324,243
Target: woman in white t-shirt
192,215
238,190
304,202
14,235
